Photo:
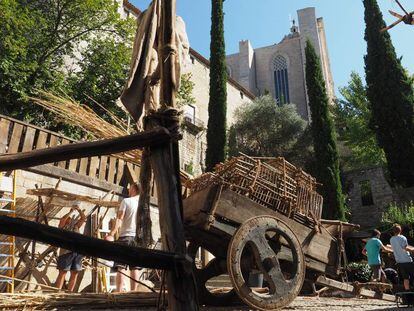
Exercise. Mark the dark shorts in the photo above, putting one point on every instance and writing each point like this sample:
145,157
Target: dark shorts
70,262
129,241
377,272
406,270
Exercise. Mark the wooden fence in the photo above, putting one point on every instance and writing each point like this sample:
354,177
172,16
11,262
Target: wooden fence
18,136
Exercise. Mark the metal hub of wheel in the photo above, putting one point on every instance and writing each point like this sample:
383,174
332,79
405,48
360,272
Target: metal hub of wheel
276,252
215,267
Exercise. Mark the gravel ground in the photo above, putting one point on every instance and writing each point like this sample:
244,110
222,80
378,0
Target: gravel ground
339,304
315,304
331,304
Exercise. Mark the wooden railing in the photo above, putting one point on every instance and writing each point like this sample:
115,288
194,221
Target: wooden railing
18,136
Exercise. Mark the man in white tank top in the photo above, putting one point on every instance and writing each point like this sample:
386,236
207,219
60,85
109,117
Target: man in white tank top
126,223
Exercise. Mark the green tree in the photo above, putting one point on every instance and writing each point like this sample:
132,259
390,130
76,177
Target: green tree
263,128
103,73
185,91
391,96
37,37
324,140
232,145
217,106
353,115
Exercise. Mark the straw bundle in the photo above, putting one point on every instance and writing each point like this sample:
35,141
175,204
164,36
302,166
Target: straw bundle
69,111
76,301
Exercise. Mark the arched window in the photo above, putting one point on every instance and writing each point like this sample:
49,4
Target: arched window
280,73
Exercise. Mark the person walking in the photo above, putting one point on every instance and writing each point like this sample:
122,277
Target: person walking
68,260
372,250
402,255
126,223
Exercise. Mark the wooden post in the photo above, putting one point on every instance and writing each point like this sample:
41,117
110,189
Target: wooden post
180,284
94,234
144,223
165,165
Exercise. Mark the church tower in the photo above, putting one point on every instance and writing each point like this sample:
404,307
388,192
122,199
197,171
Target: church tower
279,69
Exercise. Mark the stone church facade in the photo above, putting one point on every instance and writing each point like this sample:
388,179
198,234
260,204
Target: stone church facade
279,69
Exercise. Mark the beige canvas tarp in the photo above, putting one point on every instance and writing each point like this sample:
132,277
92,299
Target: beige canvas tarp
141,91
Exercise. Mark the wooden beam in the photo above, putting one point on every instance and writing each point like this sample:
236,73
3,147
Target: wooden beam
324,281
64,198
22,160
73,177
135,256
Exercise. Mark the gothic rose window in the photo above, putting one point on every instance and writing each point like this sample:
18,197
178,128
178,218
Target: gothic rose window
280,72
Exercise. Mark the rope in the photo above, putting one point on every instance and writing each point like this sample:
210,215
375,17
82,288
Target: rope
169,49
161,302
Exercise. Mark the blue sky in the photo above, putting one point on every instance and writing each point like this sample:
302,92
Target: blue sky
265,22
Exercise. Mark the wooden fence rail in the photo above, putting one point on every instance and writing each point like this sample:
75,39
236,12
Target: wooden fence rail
18,136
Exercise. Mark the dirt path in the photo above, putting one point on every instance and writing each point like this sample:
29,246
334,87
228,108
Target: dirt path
340,304
328,304
313,304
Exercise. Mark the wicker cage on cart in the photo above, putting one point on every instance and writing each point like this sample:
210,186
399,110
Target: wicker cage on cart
271,182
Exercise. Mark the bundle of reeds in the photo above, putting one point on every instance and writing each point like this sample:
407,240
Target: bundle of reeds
76,301
69,111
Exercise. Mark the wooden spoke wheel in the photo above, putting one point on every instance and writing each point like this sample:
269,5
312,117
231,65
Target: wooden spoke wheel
215,267
276,252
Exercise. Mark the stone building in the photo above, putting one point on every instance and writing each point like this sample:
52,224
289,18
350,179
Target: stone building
280,68
194,143
370,194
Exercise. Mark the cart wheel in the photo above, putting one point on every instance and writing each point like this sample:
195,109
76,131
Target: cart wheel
215,267
276,252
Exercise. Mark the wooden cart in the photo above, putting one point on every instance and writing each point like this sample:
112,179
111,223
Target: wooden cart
285,244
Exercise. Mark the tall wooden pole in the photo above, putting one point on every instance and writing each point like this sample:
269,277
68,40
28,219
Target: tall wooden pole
165,164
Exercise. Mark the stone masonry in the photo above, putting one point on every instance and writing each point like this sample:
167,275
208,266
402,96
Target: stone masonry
254,68
368,216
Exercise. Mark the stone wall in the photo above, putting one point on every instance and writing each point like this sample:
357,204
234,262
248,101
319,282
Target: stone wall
325,61
193,145
28,180
368,216
290,49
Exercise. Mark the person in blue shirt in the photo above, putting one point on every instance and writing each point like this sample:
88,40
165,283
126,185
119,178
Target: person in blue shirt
372,250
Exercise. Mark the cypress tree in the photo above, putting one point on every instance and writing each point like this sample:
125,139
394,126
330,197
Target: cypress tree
391,98
217,106
324,138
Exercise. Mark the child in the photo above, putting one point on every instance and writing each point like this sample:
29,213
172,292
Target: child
372,250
